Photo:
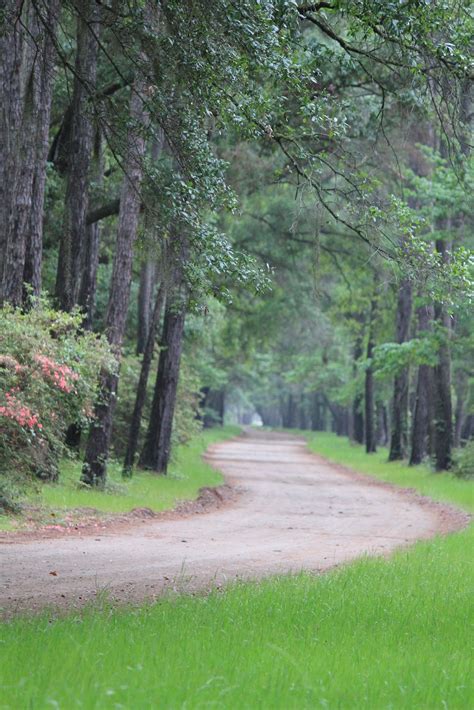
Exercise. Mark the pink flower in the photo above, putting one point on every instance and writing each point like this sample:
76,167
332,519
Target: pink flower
19,413
61,376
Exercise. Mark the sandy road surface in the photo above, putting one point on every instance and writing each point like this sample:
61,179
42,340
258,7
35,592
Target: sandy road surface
294,512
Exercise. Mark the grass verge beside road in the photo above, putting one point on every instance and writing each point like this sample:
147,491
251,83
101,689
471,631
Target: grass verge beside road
375,634
439,486
187,474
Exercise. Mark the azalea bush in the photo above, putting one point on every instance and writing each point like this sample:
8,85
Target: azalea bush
48,375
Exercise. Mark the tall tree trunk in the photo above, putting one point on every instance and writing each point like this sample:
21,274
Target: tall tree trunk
147,276
157,448
26,59
88,288
291,412
316,423
382,429
73,236
370,437
357,405
443,409
44,94
358,419
140,397
87,294
467,432
97,450
9,36
287,410
12,39
145,296
399,438
422,428
370,433
462,391
302,411
462,377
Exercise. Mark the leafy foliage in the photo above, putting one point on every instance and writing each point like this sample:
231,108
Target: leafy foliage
48,375
463,465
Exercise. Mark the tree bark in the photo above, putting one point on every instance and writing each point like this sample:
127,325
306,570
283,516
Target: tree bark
358,419
467,432
316,420
399,438
357,405
370,434
140,397
145,296
302,412
87,294
156,451
26,59
7,54
97,450
382,428
11,53
443,409
79,152
104,211
462,390
422,428
44,90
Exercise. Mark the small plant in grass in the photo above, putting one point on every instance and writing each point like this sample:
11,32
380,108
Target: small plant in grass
48,375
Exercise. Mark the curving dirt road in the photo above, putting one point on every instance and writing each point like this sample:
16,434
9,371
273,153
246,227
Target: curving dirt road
294,511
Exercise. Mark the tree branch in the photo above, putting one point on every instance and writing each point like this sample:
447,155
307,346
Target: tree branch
103,211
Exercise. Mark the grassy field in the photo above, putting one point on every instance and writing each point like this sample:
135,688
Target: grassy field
374,634
188,473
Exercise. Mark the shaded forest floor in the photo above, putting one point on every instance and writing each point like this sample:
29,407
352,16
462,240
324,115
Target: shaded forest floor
67,505
376,634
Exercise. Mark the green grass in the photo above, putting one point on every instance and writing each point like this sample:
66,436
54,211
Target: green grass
374,634
187,474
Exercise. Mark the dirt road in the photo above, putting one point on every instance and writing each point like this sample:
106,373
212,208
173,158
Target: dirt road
294,511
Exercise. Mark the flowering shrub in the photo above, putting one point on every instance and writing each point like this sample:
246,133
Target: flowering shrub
61,376
18,413
48,376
